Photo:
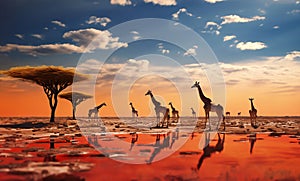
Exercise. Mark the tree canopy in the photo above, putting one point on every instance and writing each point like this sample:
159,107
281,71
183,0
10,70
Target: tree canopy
53,79
75,98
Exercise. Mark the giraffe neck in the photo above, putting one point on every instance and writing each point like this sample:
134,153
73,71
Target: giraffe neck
252,105
132,107
101,106
172,106
192,110
154,101
202,96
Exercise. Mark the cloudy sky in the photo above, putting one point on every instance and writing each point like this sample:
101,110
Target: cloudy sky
253,46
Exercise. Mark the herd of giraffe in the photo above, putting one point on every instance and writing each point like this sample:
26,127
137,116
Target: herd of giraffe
208,107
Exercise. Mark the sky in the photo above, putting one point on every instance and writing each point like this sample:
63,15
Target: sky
236,49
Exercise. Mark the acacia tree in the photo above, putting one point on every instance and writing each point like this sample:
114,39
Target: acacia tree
53,79
75,98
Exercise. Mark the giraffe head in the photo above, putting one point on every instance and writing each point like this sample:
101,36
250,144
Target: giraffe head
170,103
103,104
195,85
251,99
148,93
130,103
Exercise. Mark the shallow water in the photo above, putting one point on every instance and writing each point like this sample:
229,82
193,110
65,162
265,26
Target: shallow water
157,154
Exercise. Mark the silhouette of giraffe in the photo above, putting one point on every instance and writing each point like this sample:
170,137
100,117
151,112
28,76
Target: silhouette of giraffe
193,113
239,113
208,150
175,113
134,139
134,111
210,107
252,140
253,114
158,146
95,110
159,109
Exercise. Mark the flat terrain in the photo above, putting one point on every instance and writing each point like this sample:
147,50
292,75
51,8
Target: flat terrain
126,149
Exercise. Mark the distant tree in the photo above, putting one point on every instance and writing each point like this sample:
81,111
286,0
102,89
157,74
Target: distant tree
75,98
53,79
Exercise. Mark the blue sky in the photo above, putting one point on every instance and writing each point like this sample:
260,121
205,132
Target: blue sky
255,42
34,22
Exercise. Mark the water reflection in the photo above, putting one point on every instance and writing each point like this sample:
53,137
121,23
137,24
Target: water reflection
158,146
134,139
252,140
208,150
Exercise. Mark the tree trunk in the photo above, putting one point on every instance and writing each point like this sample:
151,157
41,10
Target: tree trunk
74,110
53,108
52,115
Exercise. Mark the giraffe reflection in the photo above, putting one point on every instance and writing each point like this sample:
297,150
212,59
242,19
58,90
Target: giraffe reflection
252,140
134,139
158,146
208,150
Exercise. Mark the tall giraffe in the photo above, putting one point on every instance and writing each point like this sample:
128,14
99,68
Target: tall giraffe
175,113
253,114
159,109
193,113
133,110
210,107
95,110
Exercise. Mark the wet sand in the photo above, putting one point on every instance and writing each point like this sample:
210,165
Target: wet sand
118,150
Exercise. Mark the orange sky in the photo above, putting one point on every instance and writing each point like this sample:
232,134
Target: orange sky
26,99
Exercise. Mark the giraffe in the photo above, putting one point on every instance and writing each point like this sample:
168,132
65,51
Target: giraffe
208,107
193,113
159,109
239,113
95,110
134,111
253,114
208,150
175,113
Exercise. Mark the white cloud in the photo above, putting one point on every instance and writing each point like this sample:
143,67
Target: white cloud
251,45
58,23
294,11
38,36
276,27
43,49
228,37
141,65
94,39
182,10
237,19
210,23
162,2
262,11
191,51
136,35
162,49
19,36
213,1
83,37
95,20
120,2
293,55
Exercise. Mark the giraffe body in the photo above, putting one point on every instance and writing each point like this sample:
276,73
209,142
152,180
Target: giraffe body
134,111
159,109
95,110
253,114
175,113
208,107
